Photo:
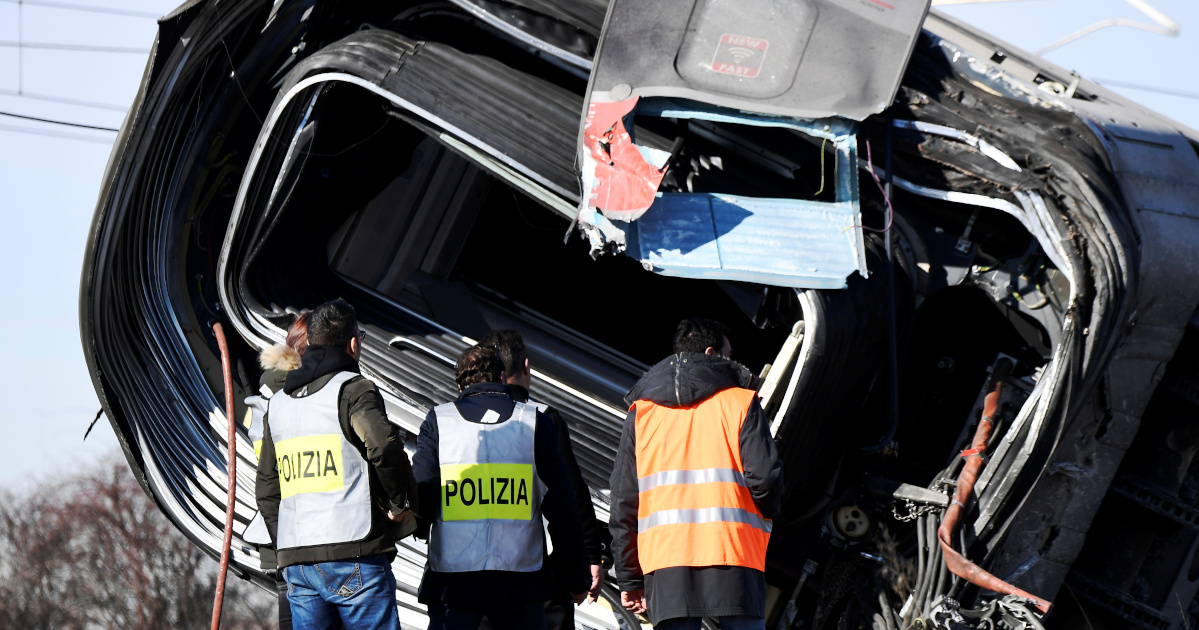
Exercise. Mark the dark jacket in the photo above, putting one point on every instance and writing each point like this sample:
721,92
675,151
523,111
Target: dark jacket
483,590
683,380
592,543
364,424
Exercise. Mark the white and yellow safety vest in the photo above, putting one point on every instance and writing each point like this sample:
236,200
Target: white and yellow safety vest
256,532
491,495
323,483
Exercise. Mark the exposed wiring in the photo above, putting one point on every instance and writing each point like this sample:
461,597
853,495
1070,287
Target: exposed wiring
236,81
57,122
1032,307
83,7
973,462
890,210
352,146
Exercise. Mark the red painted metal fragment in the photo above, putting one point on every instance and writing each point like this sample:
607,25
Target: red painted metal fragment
624,183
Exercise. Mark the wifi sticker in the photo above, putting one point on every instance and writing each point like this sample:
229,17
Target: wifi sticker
740,56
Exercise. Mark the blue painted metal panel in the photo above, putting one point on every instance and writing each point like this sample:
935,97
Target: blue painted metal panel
782,242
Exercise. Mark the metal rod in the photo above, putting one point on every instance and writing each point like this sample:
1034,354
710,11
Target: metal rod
219,601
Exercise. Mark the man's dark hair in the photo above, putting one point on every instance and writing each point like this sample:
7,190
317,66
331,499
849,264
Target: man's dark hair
512,349
697,334
333,323
478,364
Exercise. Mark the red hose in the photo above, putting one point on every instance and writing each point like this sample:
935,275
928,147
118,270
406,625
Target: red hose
958,564
232,467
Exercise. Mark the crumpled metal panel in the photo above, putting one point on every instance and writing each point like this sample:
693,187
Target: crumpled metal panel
809,244
783,242
797,58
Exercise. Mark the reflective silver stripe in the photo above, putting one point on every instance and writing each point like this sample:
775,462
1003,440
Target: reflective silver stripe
703,475
703,515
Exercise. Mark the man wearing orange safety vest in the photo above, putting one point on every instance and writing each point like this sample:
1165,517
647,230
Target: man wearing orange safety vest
697,480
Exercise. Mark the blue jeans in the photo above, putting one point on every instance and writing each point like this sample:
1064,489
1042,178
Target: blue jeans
359,594
514,617
726,623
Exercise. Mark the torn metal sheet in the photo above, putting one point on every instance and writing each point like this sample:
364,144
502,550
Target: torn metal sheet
799,58
781,242
618,176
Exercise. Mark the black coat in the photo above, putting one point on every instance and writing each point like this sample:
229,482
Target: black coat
490,590
592,542
678,381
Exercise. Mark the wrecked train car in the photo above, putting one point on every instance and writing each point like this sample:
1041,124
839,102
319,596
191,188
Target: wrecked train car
1032,274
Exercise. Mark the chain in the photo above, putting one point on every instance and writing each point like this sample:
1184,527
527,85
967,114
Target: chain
913,511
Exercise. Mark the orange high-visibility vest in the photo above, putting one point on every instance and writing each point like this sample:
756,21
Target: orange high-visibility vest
695,509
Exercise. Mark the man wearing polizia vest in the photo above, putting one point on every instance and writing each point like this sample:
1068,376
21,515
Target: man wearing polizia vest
337,498
487,470
696,482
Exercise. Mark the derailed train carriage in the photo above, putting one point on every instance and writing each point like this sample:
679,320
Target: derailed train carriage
1037,257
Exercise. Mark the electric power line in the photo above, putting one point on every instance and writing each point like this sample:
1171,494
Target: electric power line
63,100
1148,88
84,7
57,122
74,47
56,134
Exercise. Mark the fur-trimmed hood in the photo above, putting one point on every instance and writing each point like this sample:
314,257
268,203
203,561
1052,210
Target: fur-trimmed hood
279,357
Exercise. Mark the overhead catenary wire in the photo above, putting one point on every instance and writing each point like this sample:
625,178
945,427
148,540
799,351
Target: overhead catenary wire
64,100
58,122
22,45
84,7
1147,88
55,134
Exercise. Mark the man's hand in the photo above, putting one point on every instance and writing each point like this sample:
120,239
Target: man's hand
634,601
407,521
597,581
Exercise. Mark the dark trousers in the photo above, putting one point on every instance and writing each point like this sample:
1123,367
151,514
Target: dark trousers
284,605
559,615
513,617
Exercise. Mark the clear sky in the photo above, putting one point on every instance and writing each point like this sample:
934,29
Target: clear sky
49,180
